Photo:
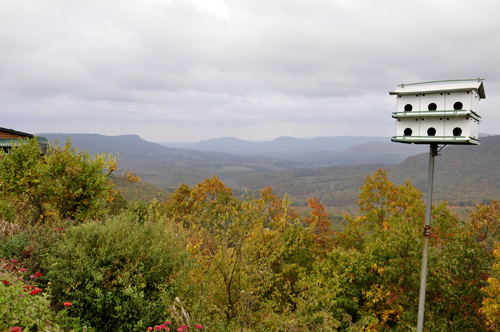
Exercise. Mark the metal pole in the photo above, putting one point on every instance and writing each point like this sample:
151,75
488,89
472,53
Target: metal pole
427,233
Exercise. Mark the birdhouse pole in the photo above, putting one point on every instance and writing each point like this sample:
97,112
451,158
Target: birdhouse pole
443,113
427,232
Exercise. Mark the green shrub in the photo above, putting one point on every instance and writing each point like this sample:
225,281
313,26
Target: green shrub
28,308
7,210
14,247
19,308
65,182
41,239
118,274
117,205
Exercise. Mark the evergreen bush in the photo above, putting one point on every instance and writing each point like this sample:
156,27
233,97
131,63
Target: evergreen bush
118,274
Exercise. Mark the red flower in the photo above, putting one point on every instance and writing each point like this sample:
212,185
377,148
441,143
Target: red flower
157,328
67,304
15,329
167,322
13,261
150,328
184,327
38,274
5,282
179,330
199,326
36,291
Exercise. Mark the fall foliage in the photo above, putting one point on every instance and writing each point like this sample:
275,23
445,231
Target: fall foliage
249,262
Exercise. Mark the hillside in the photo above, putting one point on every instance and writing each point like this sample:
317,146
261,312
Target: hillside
141,190
318,152
169,167
464,176
279,145
385,153
134,147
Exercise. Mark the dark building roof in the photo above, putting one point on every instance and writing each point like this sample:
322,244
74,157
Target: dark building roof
15,137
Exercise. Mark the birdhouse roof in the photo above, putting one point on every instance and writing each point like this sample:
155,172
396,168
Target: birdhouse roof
435,87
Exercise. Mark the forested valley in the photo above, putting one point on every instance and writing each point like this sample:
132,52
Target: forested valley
84,244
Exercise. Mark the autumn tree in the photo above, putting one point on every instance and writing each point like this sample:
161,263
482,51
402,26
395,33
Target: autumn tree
318,219
64,182
486,220
371,277
250,250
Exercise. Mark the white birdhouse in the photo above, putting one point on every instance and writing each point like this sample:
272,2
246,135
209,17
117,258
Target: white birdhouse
438,113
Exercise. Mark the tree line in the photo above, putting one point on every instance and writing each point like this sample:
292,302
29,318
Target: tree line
251,263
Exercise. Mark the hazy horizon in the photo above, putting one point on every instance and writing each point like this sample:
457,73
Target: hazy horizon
186,70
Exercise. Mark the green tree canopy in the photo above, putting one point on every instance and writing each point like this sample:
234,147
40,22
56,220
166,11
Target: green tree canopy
64,183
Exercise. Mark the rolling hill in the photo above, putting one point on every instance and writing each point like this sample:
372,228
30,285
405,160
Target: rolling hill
279,145
464,175
168,167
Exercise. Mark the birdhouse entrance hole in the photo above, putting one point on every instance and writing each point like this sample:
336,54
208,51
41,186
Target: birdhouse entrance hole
408,132
432,107
408,107
431,131
458,106
457,131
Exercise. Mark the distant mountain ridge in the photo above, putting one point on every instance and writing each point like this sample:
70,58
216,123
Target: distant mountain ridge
133,146
464,175
318,151
170,166
279,145
383,153
289,152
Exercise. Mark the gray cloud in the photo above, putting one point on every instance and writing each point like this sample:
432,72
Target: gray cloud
178,70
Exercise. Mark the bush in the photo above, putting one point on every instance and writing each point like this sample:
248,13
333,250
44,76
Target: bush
14,247
27,307
118,274
65,183
7,210
19,308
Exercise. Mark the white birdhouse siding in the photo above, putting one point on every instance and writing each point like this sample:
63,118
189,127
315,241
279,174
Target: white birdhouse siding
409,102
462,101
457,126
432,102
407,127
432,126
474,128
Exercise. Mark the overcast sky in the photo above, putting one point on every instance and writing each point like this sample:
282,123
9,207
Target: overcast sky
189,70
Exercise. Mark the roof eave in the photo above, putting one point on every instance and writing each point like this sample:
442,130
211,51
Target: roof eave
15,132
414,88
